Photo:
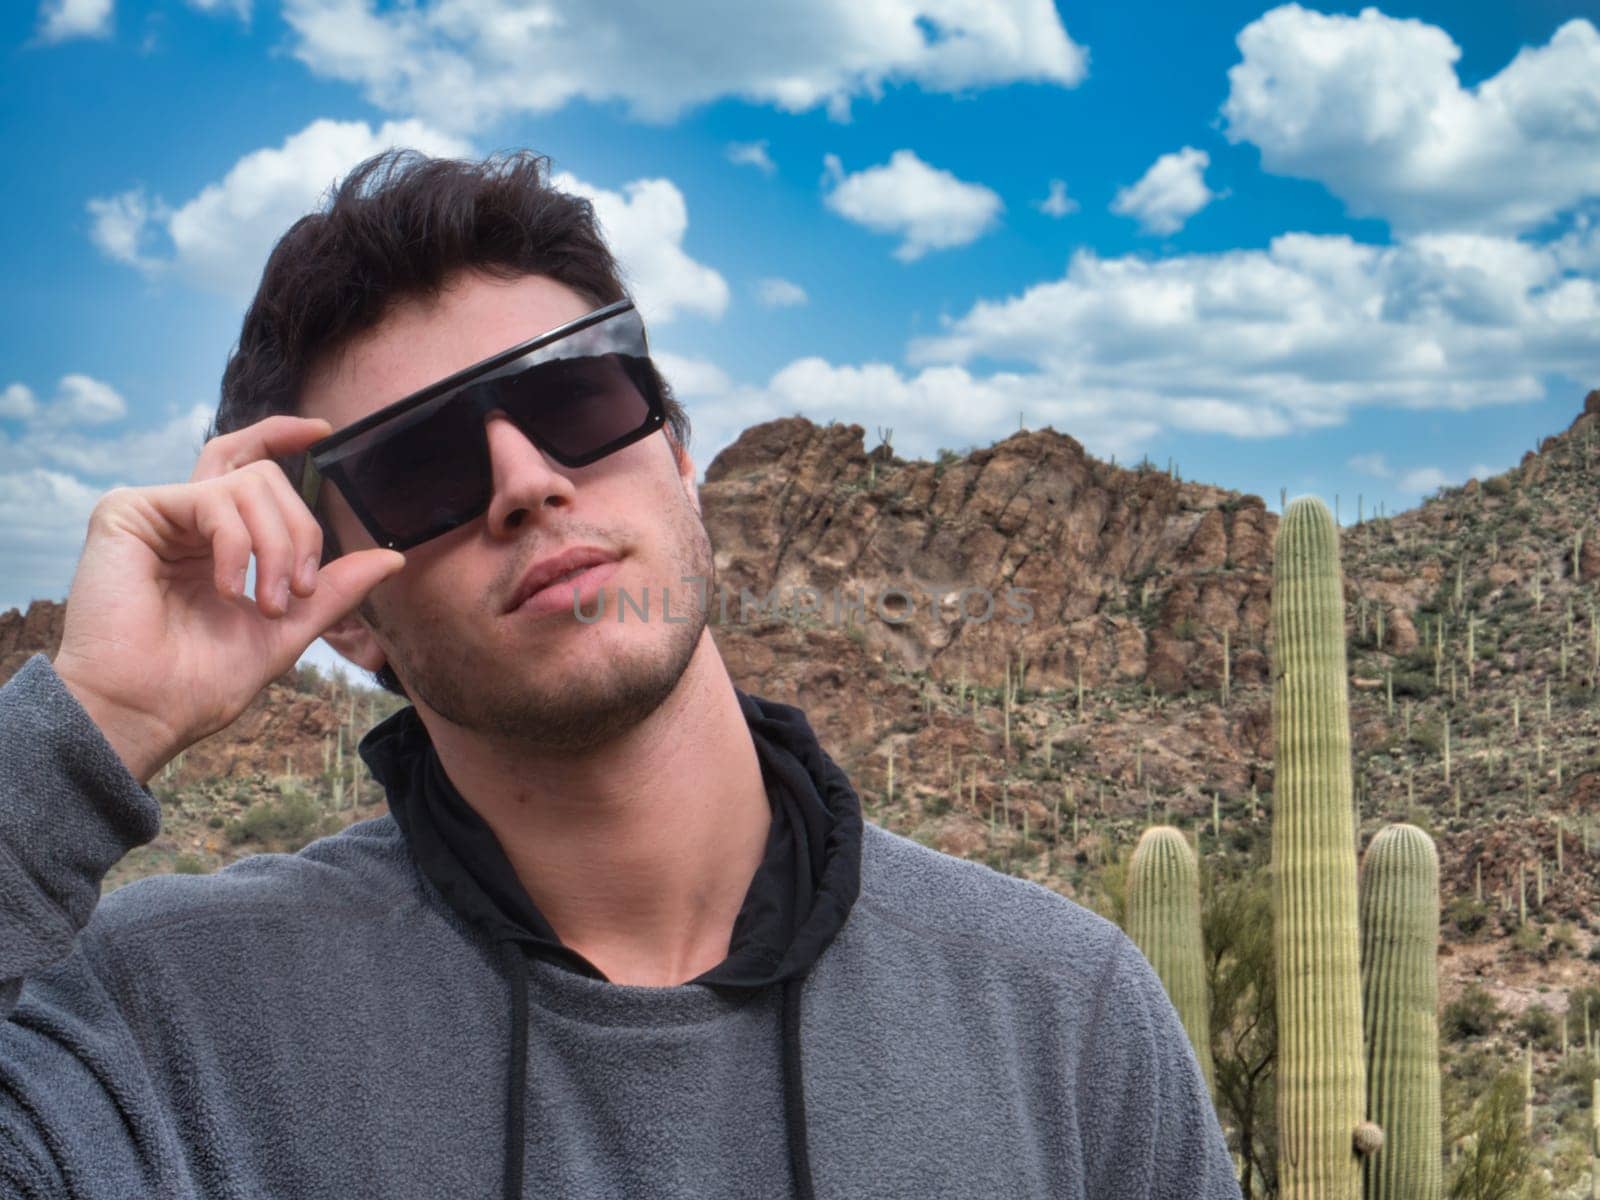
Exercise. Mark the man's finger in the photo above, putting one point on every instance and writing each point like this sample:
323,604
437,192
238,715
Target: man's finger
341,586
271,437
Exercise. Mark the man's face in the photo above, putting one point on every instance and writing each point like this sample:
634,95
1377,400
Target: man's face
546,679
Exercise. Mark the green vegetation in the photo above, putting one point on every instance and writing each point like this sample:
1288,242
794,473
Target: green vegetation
1473,1014
288,822
1237,922
1496,1161
1321,1069
1399,902
1163,912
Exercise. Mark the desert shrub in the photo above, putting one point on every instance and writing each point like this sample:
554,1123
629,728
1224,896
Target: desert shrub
1237,934
1579,999
1472,1014
293,819
1528,939
1467,914
1578,1071
188,864
1414,683
1497,1162
1563,939
1537,1024
1497,485
1429,738
1473,1070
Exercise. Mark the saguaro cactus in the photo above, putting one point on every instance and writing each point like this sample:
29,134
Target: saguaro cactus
1399,904
1164,922
1321,1070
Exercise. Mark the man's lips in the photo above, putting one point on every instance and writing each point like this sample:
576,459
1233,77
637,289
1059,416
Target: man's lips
558,594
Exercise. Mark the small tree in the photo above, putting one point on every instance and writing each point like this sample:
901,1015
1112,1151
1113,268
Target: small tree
1496,1162
1237,924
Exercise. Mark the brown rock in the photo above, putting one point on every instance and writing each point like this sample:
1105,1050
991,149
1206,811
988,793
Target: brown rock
789,505
22,635
1399,634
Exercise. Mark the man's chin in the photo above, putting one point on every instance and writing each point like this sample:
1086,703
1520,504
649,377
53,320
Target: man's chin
570,702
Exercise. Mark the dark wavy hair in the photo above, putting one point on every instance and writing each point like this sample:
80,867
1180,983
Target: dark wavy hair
398,228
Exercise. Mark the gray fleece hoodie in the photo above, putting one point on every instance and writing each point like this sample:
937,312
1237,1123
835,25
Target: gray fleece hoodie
329,1024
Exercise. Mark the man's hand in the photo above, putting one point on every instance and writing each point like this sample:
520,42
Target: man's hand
161,645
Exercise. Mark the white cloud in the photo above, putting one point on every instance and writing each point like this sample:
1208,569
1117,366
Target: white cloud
1371,464
121,222
17,402
220,238
1058,203
930,208
752,154
1372,108
780,293
1418,481
691,377
240,8
935,407
645,229
58,436
79,400
164,454
1169,193
82,400
43,515
1294,337
1422,480
1246,343
63,19
462,64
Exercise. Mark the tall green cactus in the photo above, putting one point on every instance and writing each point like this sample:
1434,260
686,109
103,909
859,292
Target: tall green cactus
1321,1072
1164,922
1399,904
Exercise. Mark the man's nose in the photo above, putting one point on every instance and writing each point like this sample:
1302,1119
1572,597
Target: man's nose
525,478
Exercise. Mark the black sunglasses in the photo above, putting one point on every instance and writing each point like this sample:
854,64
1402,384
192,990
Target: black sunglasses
420,466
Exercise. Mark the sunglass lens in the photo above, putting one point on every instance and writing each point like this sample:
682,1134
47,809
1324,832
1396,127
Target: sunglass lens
424,477
579,407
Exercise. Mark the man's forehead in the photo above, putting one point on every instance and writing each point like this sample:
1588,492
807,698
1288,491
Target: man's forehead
422,339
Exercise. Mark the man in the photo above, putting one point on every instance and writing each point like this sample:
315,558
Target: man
623,932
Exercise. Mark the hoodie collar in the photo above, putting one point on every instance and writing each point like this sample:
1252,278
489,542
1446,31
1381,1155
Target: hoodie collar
797,902
798,899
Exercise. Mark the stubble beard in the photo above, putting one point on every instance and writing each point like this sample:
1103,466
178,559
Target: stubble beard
581,708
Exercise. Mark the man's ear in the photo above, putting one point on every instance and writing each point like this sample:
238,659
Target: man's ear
685,465
351,637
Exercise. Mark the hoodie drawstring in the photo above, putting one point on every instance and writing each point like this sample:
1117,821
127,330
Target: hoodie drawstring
794,1092
518,1082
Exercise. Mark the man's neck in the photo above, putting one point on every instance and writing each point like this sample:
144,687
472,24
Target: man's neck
639,855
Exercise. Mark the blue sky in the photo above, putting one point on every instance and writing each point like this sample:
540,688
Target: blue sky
1330,249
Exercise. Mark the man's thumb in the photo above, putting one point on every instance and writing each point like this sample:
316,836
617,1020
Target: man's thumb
344,583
